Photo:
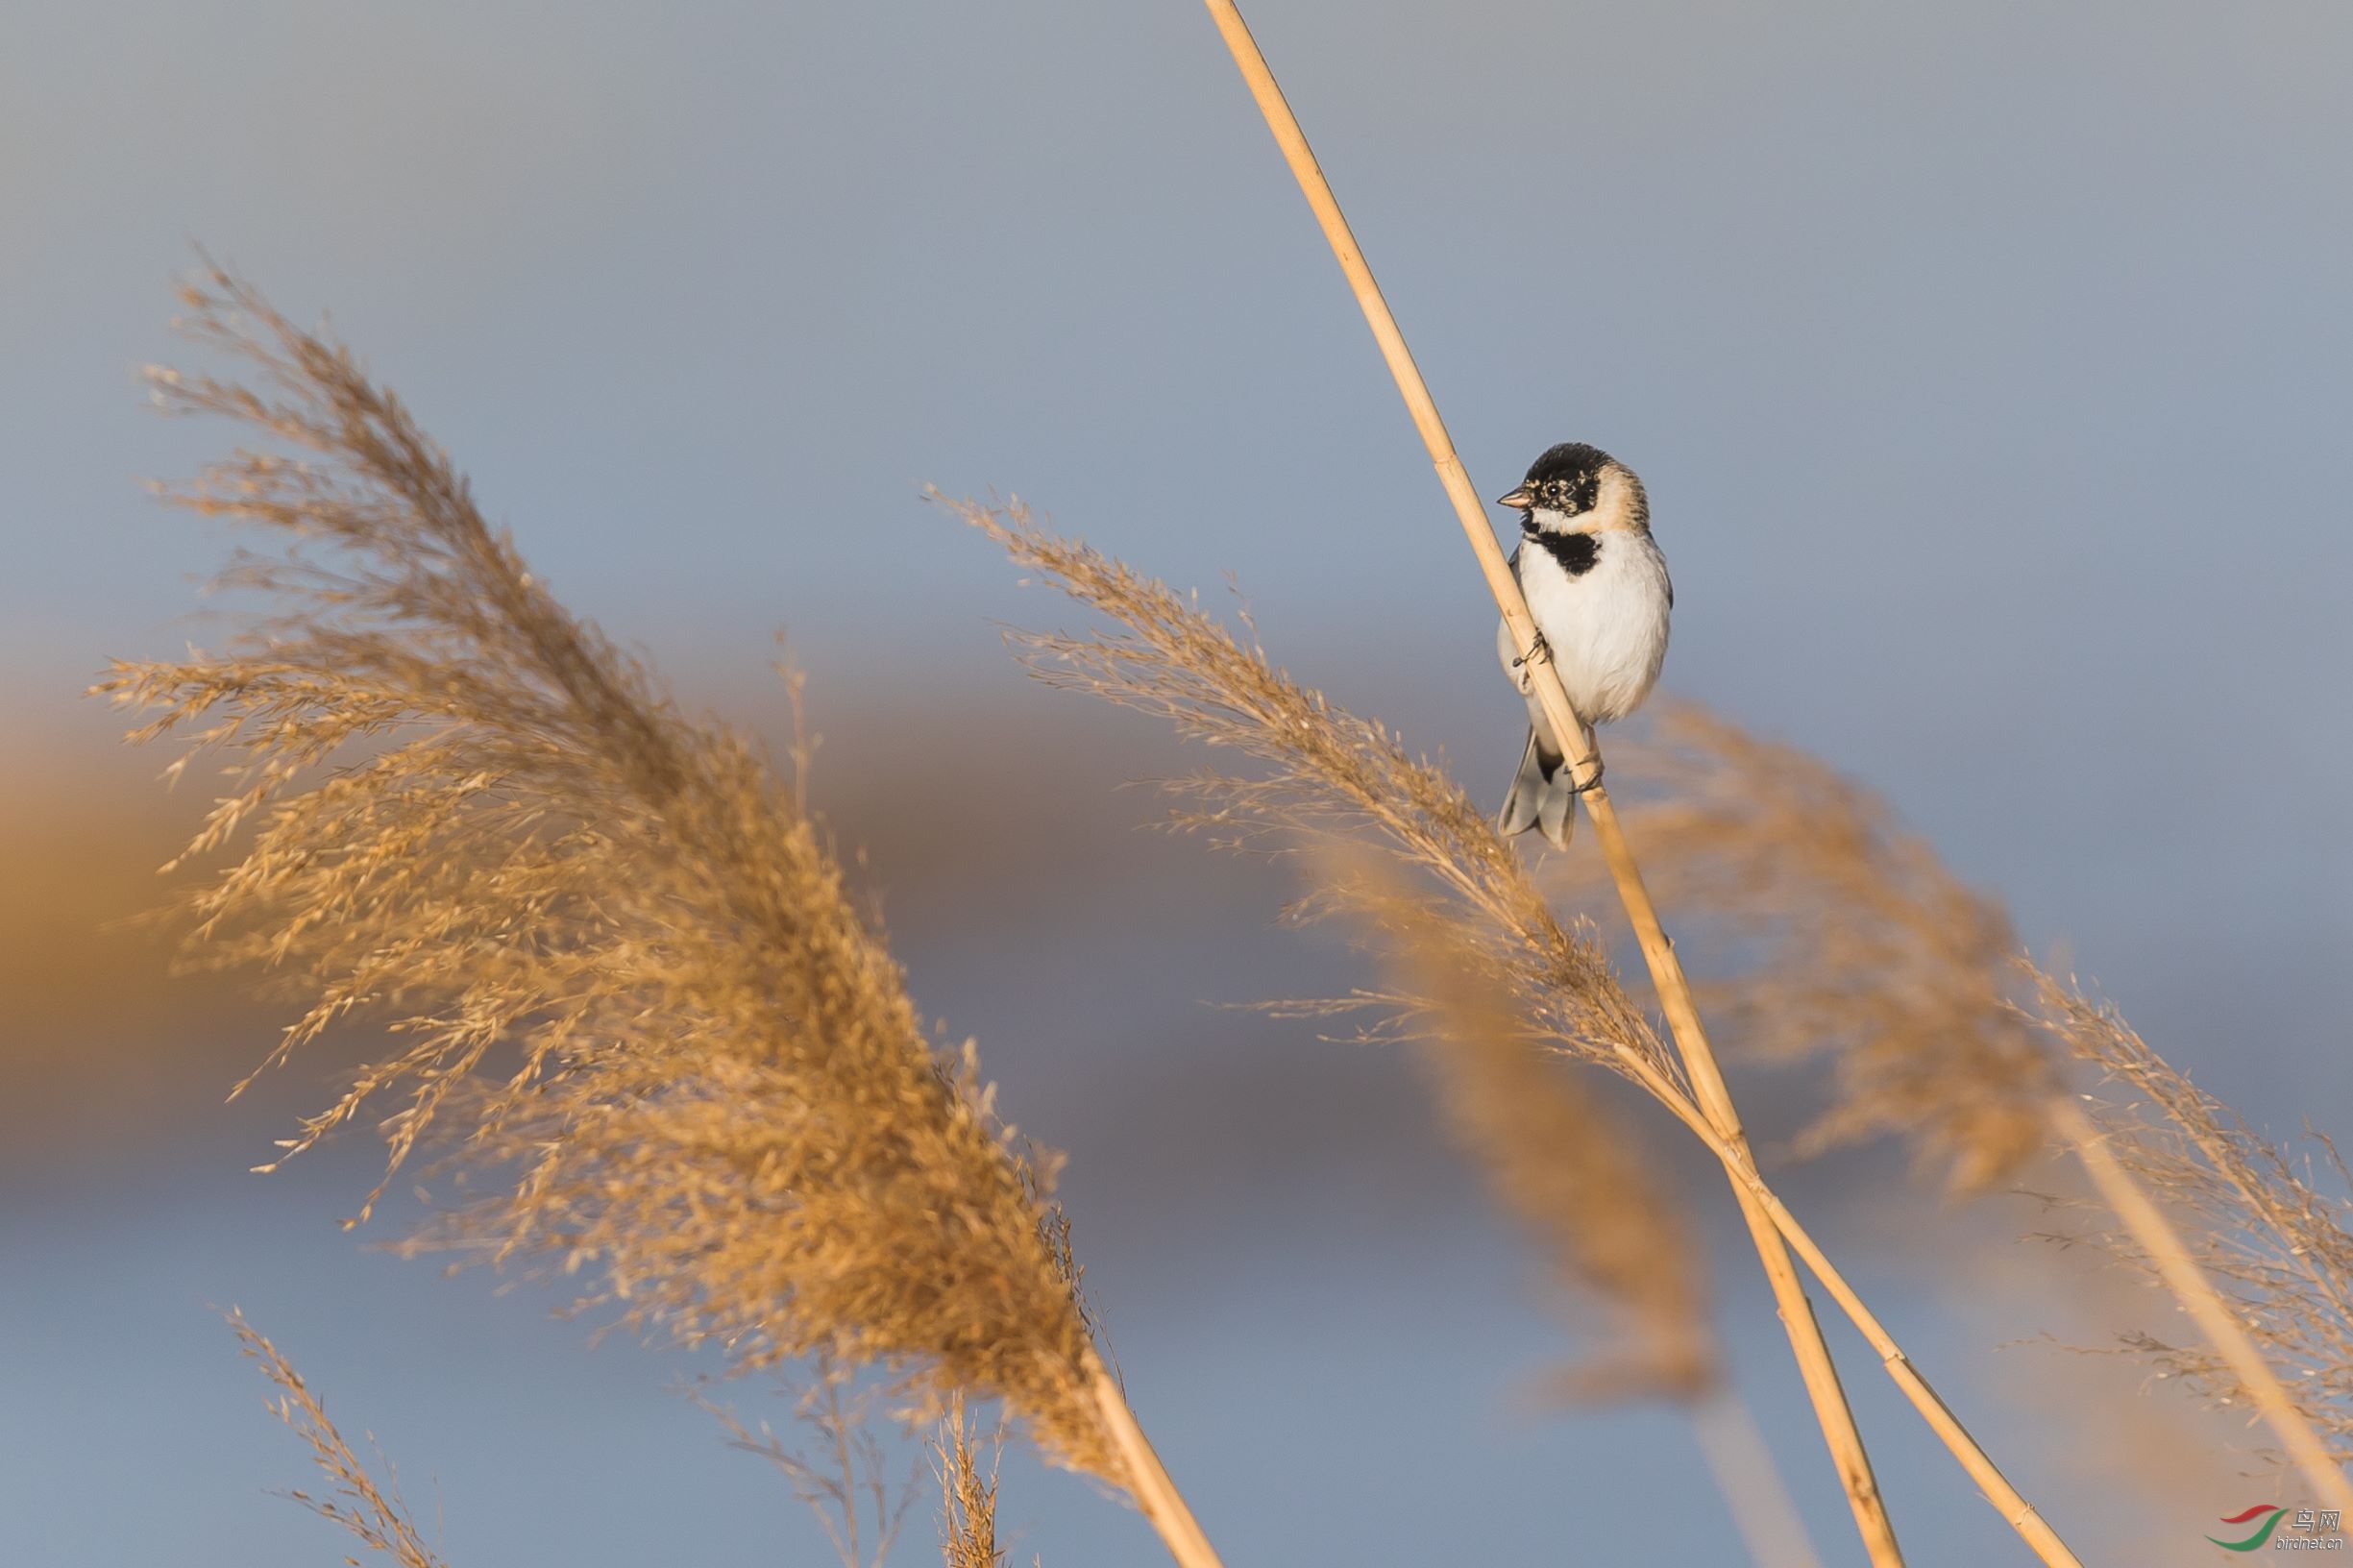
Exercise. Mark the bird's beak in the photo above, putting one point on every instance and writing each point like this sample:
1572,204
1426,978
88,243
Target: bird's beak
1519,500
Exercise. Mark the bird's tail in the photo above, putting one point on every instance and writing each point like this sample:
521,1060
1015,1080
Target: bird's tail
1540,795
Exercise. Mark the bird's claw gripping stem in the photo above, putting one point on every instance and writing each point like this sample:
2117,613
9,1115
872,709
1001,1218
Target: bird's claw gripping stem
1540,652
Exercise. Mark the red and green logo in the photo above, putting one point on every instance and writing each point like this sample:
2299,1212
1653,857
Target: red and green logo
2269,1512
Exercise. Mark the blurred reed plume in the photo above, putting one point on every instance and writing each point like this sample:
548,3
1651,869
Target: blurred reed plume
644,1018
1836,935
1836,932
848,1487
376,1514
967,1498
1607,1225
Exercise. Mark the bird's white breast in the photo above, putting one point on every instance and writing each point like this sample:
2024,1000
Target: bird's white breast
1606,626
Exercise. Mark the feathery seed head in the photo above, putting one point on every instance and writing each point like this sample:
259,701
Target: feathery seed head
633,997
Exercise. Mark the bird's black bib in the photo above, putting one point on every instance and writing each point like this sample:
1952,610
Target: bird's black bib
1575,551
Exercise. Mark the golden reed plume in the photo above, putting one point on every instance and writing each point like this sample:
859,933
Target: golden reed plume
640,1009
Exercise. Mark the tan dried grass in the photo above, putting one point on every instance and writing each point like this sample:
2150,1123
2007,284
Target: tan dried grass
645,1021
373,1512
968,1496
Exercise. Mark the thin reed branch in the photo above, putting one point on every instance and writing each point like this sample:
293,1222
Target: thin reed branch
847,1485
1675,993
372,1511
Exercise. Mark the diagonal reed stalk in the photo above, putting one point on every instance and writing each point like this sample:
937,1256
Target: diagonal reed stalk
1813,1355
1718,1115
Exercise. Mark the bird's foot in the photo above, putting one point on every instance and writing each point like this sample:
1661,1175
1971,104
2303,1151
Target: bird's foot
1591,782
1538,653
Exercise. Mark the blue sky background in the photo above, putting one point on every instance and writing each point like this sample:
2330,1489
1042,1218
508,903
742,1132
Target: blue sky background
1987,364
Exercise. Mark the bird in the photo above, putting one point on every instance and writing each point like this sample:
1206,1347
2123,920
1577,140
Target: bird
1598,591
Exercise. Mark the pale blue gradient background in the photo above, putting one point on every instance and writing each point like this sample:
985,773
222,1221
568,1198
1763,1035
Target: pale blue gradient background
1988,366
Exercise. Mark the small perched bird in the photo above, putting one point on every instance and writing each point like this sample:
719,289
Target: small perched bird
1598,591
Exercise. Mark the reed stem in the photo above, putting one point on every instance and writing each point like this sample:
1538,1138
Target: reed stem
1814,1362
2178,1268
1148,1479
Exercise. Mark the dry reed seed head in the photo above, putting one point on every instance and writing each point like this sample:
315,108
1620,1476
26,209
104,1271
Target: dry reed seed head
375,1513
2272,1230
1823,929
631,997
967,1497
1607,1225
1322,772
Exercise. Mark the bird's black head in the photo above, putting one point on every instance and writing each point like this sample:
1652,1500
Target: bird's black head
1566,479
1579,487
